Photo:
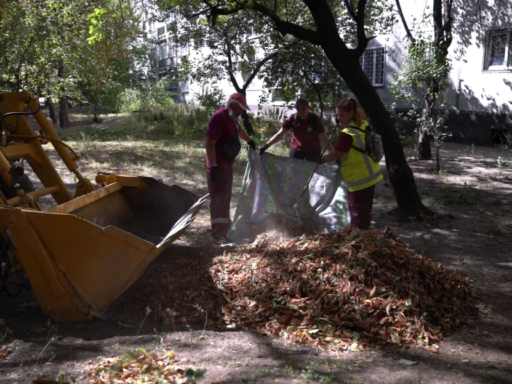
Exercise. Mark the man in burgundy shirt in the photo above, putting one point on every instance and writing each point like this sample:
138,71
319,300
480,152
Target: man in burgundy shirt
308,134
219,169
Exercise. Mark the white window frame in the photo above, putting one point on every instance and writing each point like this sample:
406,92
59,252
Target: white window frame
507,59
373,54
163,50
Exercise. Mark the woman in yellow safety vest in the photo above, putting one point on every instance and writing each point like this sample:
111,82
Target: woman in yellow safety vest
360,172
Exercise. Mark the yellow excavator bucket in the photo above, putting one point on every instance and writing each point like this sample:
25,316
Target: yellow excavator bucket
84,253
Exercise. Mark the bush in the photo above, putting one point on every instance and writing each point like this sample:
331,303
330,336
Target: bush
189,121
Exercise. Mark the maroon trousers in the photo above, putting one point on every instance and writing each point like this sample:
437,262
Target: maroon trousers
360,204
220,199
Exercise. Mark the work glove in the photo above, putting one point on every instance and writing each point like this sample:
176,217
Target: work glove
263,149
338,161
320,160
215,174
252,144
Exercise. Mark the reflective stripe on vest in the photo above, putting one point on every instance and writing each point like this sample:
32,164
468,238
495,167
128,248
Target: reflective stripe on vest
372,174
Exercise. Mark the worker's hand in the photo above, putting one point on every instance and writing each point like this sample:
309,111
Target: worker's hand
320,160
252,144
215,174
263,149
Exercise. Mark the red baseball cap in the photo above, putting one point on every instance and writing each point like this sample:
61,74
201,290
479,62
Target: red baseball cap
240,99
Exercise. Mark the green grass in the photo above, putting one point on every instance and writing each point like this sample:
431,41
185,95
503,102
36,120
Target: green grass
150,148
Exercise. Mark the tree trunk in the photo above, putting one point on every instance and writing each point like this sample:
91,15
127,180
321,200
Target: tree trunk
247,124
245,117
400,174
63,112
96,117
424,149
438,158
51,109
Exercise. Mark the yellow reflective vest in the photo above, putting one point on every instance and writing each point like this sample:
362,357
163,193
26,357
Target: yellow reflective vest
358,169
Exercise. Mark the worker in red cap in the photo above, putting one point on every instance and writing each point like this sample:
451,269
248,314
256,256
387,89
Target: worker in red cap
222,147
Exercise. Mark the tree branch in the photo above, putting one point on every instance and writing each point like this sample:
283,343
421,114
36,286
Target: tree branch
404,22
230,69
362,40
317,90
350,9
256,69
285,27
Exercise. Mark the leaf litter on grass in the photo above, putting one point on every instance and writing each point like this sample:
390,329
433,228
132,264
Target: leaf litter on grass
346,290
140,366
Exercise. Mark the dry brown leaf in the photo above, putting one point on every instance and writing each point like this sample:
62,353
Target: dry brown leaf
4,352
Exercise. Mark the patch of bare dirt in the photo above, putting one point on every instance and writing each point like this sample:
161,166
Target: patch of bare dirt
473,188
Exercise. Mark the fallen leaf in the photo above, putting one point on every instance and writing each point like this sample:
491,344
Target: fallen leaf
4,352
407,362
433,349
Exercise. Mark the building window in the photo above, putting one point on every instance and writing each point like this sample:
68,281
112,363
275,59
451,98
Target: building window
162,50
372,62
498,51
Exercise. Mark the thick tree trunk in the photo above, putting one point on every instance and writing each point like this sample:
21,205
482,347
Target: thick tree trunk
400,174
63,112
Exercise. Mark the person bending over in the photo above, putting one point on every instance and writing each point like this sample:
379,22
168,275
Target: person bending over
308,134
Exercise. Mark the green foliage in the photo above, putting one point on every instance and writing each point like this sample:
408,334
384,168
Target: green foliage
304,70
77,49
211,99
423,82
154,96
96,23
433,125
424,66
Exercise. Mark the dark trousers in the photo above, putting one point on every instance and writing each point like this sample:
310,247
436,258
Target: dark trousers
360,204
220,199
309,155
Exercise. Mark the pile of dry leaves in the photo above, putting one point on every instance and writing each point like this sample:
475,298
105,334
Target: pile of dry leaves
348,289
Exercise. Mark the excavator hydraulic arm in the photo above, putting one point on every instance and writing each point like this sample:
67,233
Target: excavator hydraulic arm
83,253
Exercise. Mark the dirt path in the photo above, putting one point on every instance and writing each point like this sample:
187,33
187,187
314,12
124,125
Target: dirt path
474,187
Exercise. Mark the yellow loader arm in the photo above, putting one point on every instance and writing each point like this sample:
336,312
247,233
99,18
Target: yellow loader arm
84,253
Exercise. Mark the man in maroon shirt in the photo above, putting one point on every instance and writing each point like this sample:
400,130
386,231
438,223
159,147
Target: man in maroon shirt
219,168
308,134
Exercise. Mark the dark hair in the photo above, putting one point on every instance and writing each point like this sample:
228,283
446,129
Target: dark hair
301,101
351,105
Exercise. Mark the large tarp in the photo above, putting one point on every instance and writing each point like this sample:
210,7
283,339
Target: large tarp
272,186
